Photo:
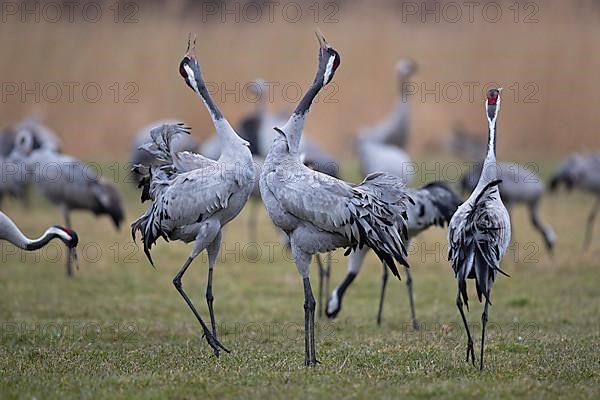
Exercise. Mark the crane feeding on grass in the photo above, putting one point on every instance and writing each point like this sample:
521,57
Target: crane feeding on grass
12,234
320,213
68,183
479,232
194,197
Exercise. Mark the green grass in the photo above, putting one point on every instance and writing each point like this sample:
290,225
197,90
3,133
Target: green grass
120,330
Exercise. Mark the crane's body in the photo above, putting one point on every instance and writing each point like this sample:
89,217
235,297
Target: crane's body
320,213
479,232
520,185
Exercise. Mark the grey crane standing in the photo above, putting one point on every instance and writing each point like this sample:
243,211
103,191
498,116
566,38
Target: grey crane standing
581,171
194,197
434,204
479,232
12,234
69,183
320,213
520,185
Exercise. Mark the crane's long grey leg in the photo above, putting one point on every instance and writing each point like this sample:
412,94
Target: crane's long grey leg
212,341
321,276
384,280
590,224
355,261
69,266
302,260
213,252
328,272
411,301
484,319
547,233
252,220
459,304
206,236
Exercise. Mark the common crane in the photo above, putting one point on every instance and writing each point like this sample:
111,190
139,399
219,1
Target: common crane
434,204
12,234
194,197
68,183
581,171
320,213
479,232
394,130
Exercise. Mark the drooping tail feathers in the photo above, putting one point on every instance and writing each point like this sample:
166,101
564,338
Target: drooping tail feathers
379,218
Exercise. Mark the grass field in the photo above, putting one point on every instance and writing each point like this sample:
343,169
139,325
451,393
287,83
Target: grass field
120,330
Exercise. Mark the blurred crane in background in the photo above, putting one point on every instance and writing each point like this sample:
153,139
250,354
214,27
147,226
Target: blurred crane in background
434,204
68,183
581,171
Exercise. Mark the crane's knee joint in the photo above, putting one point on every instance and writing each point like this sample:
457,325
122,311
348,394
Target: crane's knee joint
209,297
177,282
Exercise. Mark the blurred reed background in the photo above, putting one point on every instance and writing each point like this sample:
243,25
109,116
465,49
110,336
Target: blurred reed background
548,69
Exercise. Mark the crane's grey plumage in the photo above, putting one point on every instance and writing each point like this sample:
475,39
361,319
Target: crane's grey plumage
434,204
581,171
479,232
520,185
395,128
14,181
320,213
140,157
68,183
194,197
12,234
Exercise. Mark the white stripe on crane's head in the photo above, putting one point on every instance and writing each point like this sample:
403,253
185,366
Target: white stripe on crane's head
328,70
191,78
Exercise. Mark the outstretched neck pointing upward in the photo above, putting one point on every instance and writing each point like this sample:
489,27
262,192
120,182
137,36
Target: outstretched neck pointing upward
329,61
492,108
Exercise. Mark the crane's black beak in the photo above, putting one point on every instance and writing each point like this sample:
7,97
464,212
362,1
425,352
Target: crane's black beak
322,41
74,258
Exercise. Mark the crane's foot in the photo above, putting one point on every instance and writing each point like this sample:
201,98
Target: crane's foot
311,363
415,325
470,352
214,343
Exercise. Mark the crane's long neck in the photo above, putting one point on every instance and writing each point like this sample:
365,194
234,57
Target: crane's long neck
295,125
228,138
489,172
12,234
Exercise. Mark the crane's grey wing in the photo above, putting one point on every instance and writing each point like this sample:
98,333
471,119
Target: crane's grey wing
365,214
478,237
186,199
